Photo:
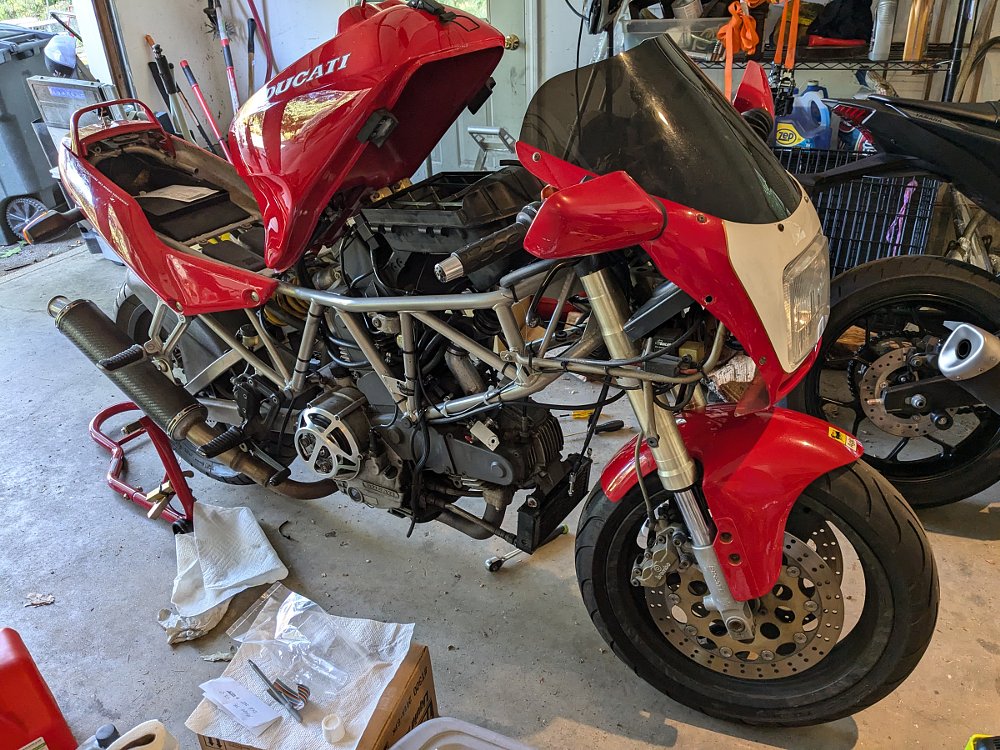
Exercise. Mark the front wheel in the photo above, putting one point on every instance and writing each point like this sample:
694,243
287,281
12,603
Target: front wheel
849,617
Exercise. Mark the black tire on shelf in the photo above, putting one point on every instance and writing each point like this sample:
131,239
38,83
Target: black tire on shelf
134,318
916,278
893,630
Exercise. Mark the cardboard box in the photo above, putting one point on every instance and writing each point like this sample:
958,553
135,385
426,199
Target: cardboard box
407,700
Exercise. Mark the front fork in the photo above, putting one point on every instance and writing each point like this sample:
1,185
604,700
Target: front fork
674,466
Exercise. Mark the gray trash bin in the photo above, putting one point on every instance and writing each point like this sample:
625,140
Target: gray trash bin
24,173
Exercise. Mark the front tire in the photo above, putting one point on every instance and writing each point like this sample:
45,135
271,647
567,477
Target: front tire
892,630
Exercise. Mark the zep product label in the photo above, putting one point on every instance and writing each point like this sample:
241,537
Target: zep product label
787,135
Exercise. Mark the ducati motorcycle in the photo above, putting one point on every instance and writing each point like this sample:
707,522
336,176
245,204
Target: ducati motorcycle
739,557
878,371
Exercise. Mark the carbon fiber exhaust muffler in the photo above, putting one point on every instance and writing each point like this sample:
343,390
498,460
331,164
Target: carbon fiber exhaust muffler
172,409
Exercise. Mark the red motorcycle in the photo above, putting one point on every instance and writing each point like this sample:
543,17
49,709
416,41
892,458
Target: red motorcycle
737,556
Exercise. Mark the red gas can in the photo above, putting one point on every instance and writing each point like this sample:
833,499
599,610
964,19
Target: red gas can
28,712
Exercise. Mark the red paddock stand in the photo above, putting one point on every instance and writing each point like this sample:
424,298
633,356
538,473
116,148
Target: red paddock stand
157,503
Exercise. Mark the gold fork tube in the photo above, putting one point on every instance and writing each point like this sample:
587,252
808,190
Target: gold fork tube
674,465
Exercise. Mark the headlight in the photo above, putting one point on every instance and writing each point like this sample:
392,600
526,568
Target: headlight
806,286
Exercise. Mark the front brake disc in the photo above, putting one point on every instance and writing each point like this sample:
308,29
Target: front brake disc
797,623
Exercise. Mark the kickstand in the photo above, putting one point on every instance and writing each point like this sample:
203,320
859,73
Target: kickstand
494,564
174,484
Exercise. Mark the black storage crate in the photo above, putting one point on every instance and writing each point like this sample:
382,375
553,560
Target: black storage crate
867,218
451,209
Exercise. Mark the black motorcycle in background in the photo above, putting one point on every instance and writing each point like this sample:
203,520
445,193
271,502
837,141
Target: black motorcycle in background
879,371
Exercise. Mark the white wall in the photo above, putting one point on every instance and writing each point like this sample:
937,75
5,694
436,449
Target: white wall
294,27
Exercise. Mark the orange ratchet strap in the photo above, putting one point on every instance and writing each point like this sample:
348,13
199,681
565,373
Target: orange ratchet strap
740,34
793,34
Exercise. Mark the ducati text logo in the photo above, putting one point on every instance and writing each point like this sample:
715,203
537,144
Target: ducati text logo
304,76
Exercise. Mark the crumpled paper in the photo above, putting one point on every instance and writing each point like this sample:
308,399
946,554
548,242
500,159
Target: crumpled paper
180,629
386,644
226,554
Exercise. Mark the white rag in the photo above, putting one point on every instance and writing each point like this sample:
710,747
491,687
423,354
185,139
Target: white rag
227,553
386,645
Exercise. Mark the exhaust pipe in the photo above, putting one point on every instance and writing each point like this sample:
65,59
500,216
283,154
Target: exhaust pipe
167,404
172,409
970,357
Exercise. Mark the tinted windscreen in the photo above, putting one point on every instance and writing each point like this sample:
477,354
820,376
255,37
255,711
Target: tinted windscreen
651,113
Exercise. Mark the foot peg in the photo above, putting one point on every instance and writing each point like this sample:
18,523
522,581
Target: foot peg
231,438
130,356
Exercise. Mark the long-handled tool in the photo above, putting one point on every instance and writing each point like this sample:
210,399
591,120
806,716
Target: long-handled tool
227,56
161,85
69,29
265,41
193,82
170,86
251,33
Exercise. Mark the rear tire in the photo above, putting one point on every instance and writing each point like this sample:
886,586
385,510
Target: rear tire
929,280
893,630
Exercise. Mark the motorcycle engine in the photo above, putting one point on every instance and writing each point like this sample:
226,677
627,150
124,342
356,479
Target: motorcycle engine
353,432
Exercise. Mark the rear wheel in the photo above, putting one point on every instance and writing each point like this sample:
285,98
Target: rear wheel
881,313
849,617
134,318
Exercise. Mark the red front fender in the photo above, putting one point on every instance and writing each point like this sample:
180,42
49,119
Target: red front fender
754,469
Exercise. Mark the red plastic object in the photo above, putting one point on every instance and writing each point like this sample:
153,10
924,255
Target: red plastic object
189,282
754,90
606,213
692,251
172,470
27,709
825,41
303,142
755,467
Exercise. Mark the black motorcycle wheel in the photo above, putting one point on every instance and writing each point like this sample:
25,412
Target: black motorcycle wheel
134,318
889,628
906,298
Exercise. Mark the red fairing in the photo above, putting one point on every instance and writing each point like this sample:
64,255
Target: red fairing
694,254
754,90
692,251
549,169
755,467
189,282
296,141
606,213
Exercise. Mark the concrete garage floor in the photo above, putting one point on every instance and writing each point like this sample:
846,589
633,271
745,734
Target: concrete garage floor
513,651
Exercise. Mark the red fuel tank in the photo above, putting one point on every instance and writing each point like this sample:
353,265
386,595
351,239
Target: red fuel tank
356,114
28,712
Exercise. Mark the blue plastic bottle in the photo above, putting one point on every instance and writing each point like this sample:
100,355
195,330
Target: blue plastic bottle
809,123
